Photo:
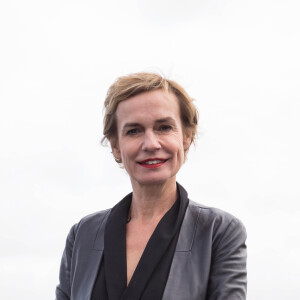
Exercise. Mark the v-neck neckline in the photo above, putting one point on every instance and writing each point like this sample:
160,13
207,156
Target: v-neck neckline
155,253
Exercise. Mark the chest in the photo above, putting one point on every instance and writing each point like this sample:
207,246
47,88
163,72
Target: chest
137,238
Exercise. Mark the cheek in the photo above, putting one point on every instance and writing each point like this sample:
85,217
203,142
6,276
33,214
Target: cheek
127,152
175,144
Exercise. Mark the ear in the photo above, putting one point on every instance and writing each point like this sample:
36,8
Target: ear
116,153
115,150
187,140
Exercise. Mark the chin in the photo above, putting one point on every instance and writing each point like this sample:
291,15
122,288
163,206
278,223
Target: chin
155,180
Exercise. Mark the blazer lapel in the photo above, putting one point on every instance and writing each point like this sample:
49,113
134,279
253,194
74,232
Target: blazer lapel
181,281
88,261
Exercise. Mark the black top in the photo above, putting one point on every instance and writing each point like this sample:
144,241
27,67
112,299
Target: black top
151,274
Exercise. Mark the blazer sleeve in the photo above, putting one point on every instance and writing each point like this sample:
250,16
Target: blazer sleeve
63,289
228,275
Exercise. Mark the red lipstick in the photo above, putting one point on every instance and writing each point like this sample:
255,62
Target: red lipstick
152,163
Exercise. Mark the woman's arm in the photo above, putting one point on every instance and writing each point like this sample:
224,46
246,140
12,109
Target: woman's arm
228,275
63,289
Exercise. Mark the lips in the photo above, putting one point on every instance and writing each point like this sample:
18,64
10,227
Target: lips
152,162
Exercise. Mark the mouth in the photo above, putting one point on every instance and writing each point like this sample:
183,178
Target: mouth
152,162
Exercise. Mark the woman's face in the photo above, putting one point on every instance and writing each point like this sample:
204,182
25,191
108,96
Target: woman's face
150,142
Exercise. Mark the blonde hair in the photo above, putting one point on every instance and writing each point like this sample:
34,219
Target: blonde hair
133,84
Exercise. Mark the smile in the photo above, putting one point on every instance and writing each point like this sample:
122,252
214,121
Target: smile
152,163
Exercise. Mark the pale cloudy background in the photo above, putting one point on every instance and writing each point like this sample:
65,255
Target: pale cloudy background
239,59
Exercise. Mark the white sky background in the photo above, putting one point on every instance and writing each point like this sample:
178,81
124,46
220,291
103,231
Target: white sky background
238,59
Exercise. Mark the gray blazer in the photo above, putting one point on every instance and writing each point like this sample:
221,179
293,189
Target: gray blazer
209,262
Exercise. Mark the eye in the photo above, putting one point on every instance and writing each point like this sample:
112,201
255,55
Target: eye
165,128
132,131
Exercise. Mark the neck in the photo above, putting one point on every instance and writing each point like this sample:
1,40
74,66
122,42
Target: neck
151,202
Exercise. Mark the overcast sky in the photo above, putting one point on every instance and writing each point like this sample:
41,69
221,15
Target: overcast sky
239,59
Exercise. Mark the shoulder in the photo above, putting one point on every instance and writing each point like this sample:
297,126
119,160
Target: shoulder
208,218
90,223
213,214
220,223
94,217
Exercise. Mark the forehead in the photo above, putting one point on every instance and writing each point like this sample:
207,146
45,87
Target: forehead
148,106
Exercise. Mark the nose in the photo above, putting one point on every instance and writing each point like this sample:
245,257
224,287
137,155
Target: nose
150,142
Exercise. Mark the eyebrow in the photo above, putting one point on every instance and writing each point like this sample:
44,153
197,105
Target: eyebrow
159,121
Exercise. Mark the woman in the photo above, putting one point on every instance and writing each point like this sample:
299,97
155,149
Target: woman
155,243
